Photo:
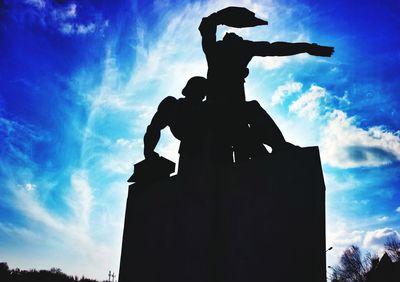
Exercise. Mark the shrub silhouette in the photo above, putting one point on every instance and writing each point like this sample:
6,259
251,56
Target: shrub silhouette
33,275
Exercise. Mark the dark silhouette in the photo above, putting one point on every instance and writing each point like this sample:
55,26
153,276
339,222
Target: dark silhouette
207,135
227,69
225,129
384,270
152,169
369,268
262,220
33,275
392,247
185,118
228,59
353,266
230,212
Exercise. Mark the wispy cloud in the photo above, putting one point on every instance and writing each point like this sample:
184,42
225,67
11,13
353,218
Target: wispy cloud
68,12
73,232
18,139
73,28
383,218
284,91
29,186
67,18
80,198
40,4
121,156
308,105
14,231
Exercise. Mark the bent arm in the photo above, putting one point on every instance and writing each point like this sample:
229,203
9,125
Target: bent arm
208,30
159,121
262,48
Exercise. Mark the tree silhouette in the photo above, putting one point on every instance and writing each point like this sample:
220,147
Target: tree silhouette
352,266
33,275
392,247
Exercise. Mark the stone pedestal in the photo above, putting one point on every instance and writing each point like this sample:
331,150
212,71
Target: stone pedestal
263,220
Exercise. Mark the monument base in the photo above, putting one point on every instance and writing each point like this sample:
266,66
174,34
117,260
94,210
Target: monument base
263,220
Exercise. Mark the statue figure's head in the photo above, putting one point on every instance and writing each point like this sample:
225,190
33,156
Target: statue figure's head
195,89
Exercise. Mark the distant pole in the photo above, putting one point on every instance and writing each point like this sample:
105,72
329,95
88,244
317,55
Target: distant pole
113,276
109,276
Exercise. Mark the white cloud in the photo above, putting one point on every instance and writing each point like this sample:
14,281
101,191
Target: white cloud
84,29
383,218
284,91
398,209
345,145
73,28
66,13
66,28
270,63
71,11
308,105
376,239
340,236
30,186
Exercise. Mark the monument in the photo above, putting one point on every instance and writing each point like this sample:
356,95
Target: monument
234,211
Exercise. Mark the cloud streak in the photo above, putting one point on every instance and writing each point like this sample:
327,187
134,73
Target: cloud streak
308,105
72,233
68,19
284,91
346,145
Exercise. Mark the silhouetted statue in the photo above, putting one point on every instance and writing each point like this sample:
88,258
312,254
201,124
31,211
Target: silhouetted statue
238,133
198,126
217,221
228,59
241,125
263,129
185,117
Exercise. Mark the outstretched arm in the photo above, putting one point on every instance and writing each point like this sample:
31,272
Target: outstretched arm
159,121
287,49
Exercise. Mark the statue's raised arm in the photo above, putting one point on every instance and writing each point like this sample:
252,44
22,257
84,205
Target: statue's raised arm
231,16
228,58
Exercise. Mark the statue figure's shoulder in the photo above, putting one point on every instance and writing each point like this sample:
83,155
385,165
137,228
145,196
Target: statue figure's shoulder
167,103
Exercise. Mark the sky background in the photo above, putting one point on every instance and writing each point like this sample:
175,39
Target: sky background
80,81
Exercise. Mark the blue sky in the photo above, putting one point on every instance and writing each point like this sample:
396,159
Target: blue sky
80,81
